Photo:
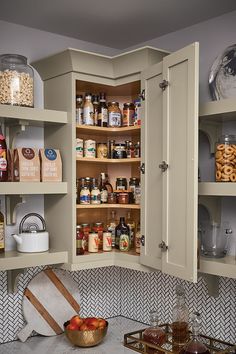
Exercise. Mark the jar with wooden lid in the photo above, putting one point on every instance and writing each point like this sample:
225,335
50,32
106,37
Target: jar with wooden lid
114,114
225,159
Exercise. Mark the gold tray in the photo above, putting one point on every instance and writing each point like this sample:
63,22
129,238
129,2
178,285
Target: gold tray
134,341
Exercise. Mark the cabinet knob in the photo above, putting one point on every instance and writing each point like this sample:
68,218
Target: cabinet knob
164,84
163,246
163,166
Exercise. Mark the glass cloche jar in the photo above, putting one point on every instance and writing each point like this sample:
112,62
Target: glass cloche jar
16,81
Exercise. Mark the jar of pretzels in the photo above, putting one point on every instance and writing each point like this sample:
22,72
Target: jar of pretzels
225,159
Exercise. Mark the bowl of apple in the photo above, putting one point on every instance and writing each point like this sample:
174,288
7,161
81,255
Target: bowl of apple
85,332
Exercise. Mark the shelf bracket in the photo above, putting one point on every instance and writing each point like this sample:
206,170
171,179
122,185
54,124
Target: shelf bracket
212,131
13,130
12,202
12,279
212,282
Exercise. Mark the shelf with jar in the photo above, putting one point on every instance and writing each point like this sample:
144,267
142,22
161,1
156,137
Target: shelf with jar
109,131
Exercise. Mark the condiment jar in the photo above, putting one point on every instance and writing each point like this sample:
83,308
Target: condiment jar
79,240
16,81
128,115
225,161
111,198
123,198
98,228
114,114
102,150
121,183
119,151
93,242
95,193
86,230
107,241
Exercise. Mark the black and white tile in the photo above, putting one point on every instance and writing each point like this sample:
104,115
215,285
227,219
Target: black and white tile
114,291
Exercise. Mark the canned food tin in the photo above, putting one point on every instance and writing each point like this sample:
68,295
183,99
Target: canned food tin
79,147
93,242
107,241
90,148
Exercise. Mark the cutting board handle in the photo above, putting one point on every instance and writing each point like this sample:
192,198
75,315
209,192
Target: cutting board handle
25,332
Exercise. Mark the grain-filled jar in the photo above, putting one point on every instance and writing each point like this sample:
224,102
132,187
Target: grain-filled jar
114,114
225,159
128,114
16,81
102,151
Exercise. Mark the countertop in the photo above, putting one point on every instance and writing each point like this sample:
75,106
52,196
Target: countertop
112,343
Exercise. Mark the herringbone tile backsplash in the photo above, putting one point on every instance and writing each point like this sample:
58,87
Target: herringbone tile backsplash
114,291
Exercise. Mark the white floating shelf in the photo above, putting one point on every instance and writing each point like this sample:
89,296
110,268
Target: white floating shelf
224,267
217,189
24,188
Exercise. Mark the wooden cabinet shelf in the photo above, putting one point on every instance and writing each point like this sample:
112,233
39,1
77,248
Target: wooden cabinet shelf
85,129
11,188
110,161
108,206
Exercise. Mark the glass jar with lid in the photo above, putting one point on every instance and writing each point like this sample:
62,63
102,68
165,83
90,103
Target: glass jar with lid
16,81
225,159
154,334
114,114
121,183
128,114
119,151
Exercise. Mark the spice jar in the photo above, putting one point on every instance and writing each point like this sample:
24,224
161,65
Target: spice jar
111,198
119,151
102,151
133,184
114,114
123,198
16,81
121,183
128,115
225,161
98,228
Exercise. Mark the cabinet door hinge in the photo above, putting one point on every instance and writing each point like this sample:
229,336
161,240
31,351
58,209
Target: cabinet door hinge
142,168
142,95
142,240
164,84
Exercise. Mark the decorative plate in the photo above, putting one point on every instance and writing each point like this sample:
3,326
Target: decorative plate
222,78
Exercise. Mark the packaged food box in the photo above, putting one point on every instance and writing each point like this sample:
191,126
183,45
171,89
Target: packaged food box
51,165
26,165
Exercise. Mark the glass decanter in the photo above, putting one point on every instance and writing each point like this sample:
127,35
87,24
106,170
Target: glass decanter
180,318
154,334
195,345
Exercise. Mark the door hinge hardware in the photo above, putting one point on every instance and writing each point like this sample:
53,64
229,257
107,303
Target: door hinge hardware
163,166
163,85
142,168
163,246
142,240
142,95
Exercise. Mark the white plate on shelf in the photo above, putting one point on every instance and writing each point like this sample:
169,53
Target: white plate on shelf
222,78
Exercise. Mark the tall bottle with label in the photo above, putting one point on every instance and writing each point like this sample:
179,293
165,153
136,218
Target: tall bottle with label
102,111
79,109
3,158
131,223
95,101
103,188
180,318
2,232
88,110
111,227
122,236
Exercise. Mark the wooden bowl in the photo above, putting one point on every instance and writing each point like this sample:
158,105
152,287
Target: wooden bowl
87,338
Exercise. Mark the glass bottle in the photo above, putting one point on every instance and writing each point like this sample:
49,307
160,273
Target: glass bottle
154,334
95,193
102,111
16,81
88,110
114,114
122,238
79,109
180,318
138,239
79,240
111,226
84,193
195,345
95,101
2,232
3,158
131,223
103,188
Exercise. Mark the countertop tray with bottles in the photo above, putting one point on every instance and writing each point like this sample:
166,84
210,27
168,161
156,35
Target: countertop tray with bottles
134,340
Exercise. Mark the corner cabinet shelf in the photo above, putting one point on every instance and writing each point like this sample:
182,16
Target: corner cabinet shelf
108,206
132,130
212,116
110,161
15,120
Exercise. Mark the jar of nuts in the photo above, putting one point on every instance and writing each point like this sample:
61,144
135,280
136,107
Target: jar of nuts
16,81
225,159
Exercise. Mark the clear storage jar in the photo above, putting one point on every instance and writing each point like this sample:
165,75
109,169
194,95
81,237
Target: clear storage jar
225,159
16,81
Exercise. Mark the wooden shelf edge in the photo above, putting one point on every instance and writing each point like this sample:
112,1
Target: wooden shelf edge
108,129
11,260
104,206
96,160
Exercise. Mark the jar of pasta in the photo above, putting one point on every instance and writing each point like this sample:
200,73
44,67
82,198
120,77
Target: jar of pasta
225,159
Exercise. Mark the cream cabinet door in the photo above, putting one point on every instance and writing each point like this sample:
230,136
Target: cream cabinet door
170,135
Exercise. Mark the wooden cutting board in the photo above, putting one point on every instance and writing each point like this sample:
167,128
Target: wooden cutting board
50,299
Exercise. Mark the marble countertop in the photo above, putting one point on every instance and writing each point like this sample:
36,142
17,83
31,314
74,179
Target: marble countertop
112,343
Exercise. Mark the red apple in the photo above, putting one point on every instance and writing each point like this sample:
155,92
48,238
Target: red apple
101,323
77,321
72,327
83,327
91,327
92,321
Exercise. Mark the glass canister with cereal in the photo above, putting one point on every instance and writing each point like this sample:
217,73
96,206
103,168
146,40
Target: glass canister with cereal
225,159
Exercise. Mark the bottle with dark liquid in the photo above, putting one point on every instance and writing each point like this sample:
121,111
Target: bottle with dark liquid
102,111
3,158
195,345
122,233
154,334
180,318
2,232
